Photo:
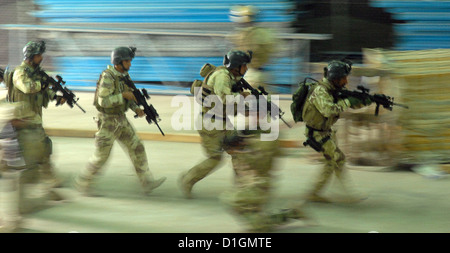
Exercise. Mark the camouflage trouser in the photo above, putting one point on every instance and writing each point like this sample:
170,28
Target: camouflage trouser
334,161
253,165
36,150
110,129
212,143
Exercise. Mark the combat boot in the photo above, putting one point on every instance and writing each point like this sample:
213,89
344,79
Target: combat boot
285,215
314,197
351,195
55,196
53,182
258,223
185,187
150,185
84,187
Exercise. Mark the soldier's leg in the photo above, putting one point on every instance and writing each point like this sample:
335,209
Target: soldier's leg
334,159
104,140
32,195
46,169
212,142
10,217
251,191
352,195
131,143
248,200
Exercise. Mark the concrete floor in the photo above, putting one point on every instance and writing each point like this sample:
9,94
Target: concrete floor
399,202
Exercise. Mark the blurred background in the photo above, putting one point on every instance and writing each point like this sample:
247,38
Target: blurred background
399,48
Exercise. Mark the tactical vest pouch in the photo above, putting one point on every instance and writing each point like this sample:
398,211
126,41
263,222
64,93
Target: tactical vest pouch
196,85
205,71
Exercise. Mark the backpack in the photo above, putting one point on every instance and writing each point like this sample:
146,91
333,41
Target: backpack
8,80
205,71
197,85
299,98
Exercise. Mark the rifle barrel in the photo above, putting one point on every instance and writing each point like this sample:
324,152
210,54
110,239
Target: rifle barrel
401,105
80,107
156,123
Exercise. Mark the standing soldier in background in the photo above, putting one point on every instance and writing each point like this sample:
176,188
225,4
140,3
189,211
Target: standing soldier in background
218,84
254,164
250,37
112,99
321,110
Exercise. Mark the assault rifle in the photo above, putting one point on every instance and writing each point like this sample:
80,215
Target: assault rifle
141,98
380,99
67,94
259,93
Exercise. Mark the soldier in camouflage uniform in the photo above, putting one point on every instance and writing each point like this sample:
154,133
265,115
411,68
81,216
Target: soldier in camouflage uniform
112,99
27,87
261,41
29,94
216,85
321,111
253,162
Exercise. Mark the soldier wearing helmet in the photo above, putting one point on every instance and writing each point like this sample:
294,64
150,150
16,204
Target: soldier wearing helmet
112,99
321,111
32,93
218,84
260,40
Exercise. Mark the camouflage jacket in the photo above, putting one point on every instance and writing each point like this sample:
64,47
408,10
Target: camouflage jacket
220,82
31,93
321,109
108,95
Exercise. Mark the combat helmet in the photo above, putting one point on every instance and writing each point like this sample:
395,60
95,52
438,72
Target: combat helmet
120,54
33,48
236,58
337,69
243,13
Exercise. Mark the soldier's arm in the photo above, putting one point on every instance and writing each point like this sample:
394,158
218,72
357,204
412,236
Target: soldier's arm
324,103
133,106
131,103
24,83
106,98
